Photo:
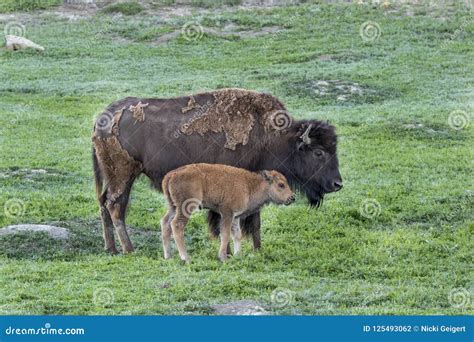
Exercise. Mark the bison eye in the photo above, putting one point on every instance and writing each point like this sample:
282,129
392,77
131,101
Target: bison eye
281,185
318,153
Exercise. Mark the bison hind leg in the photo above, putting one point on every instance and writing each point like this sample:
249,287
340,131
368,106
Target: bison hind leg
107,225
117,202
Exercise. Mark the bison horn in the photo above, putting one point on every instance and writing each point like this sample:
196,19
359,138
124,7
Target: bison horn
305,136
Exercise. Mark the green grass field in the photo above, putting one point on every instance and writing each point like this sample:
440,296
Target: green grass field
398,239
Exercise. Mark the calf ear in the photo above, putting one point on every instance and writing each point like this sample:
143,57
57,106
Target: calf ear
267,176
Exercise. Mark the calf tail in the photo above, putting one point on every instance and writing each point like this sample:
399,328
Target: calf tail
97,174
166,190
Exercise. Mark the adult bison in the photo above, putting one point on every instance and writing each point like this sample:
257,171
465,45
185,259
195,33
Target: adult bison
235,127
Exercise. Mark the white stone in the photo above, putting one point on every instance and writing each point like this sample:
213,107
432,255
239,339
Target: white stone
18,43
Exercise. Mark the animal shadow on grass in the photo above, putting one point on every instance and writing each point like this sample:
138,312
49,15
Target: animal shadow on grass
85,239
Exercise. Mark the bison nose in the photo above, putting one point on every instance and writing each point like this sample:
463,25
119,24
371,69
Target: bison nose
337,186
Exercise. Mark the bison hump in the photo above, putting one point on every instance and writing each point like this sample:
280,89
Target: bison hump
232,112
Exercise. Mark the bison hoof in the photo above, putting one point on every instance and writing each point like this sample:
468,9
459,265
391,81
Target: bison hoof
128,250
111,250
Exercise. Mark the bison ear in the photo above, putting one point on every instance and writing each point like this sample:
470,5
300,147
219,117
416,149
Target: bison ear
267,176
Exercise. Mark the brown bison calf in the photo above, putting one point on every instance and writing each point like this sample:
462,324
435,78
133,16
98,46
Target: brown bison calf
232,192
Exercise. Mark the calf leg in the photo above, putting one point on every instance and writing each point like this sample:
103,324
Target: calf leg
236,235
107,226
166,231
178,224
226,226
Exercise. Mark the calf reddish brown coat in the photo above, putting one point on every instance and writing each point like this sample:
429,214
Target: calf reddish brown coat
234,127
232,192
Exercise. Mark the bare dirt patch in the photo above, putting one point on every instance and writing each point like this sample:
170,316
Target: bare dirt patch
54,232
328,91
342,57
31,174
229,32
241,308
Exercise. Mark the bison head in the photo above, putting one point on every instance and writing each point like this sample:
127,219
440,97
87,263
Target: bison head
313,166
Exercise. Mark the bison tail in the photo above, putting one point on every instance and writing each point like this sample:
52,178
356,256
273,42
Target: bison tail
97,174
213,220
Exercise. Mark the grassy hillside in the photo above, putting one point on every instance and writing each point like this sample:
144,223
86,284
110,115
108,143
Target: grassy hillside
396,240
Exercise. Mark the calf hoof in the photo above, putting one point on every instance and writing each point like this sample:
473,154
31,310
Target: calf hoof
223,257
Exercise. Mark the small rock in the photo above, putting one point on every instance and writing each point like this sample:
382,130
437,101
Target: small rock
325,57
322,83
413,126
57,233
18,43
355,90
38,171
241,308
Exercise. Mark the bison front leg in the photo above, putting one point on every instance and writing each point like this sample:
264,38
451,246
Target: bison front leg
251,226
214,221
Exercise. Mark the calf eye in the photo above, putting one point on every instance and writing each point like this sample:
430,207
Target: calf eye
281,185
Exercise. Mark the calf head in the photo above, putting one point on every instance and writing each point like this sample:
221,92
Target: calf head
279,190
